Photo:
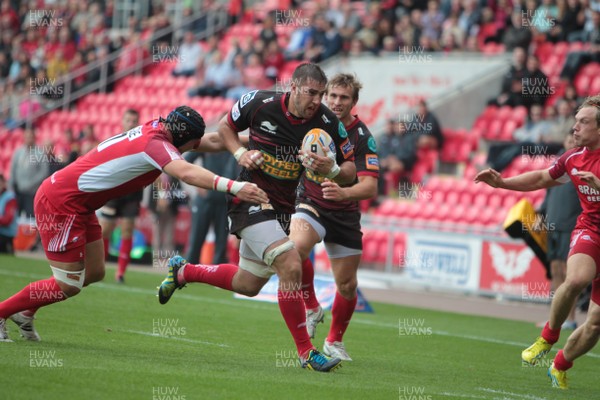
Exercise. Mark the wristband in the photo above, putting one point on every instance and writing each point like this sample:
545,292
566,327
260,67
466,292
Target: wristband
335,171
227,185
239,152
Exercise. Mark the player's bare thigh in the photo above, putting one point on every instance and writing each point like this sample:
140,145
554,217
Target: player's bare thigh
94,262
304,236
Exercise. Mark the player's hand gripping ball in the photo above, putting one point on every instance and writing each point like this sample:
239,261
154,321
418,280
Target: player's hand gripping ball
319,142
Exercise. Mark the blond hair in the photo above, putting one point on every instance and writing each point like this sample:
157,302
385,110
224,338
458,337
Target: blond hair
345,80
592,101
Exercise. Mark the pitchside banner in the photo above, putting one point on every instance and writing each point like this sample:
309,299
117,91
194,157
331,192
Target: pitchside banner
443,261
513,269
324,289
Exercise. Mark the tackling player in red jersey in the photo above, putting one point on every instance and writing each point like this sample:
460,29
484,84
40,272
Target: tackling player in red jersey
582,166
330,212
277,123
66,202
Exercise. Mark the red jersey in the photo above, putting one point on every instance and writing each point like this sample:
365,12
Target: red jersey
572,161
364,149
118,166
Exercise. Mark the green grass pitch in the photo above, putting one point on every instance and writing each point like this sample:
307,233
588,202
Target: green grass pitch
116,342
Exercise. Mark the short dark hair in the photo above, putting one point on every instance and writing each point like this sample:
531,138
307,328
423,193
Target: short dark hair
132,111
306,71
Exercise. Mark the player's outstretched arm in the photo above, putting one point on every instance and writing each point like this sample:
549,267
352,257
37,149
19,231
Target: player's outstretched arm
249,159
526,182
213,143
589,178
201,177
366,188
347,173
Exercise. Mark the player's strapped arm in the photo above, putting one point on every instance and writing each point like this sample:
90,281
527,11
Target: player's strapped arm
201,177
250,159
213,143
526,182
366,188
347,173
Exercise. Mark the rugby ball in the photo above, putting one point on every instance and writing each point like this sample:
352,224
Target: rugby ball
319,142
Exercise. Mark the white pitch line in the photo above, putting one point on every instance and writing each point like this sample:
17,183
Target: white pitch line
461,336
256,305
461,395
177,338
502,392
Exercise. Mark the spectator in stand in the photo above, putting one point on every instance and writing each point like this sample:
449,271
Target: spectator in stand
27,171
273,61
217,78
425,126
562,124
571,96
87,139
530,139
368,35
349,23
252,76
8,217
58,66
397,151
511,93
189,56
577,59
432,21
517,35
297,43
535,86
570,19
267,33
469,18
545,17
406,33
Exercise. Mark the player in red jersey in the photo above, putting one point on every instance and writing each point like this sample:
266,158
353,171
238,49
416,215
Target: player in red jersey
277,123
66,202
582,166
330,212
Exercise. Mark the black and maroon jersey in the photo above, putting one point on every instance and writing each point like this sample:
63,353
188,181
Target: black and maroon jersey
367,164
278,135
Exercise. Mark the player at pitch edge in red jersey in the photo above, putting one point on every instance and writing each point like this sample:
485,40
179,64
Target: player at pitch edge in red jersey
277,123
582,166
326,211
66,202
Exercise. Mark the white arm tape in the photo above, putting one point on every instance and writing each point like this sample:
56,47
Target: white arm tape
227,185
239,152
335,171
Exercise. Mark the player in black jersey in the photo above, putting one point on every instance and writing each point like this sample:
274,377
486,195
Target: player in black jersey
277,123
330,212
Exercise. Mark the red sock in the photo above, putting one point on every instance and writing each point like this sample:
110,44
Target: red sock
550,335
341,314
106,244
30,313
561,363
291,306
308,285
124,255
36,294
216,275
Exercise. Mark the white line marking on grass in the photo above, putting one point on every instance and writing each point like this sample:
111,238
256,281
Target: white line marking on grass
178,338
523,396
469,337
461,396
255,305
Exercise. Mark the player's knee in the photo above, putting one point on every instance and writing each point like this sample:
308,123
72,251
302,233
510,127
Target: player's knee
94,276
70,282
575,285
347,288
